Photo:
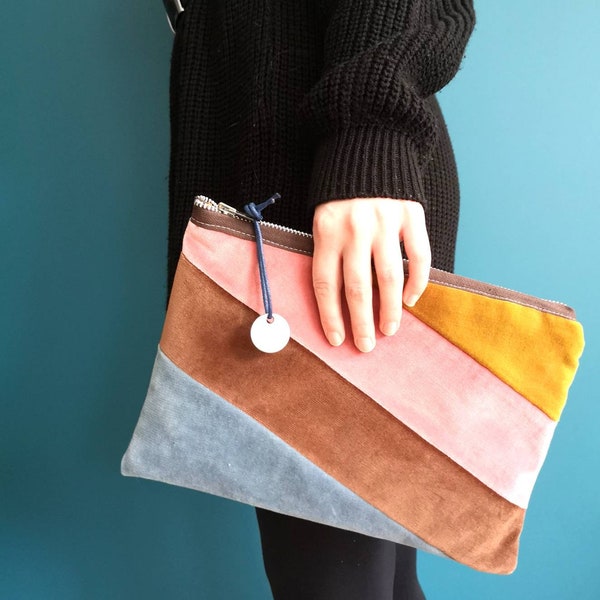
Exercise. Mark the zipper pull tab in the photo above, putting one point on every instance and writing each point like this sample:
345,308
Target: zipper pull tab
233,212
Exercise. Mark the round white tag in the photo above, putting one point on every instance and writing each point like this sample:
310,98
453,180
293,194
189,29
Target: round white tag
270,337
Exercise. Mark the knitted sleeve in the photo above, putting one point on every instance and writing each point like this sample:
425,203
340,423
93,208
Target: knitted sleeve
381,60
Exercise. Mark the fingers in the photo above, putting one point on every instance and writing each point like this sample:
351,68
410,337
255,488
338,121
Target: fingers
418,252
343,233
387,258
347,235
358,287
327,285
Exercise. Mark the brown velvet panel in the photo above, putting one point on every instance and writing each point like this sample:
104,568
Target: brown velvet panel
345,433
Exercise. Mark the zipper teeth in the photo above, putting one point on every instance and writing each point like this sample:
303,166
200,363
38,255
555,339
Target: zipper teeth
209,204
287,229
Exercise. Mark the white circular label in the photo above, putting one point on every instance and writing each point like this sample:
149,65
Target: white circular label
270,337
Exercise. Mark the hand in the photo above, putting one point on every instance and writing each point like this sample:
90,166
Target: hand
347,235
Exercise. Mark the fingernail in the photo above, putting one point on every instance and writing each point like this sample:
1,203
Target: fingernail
335,339
411,300
389,328
365,344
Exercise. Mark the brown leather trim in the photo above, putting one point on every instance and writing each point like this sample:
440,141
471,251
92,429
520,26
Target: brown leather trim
272,235
500,293
345,433
297,242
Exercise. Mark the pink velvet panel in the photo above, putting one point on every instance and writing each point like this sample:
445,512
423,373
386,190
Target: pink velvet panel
437,390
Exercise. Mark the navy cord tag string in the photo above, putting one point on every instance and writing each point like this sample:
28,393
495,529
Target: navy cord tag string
269,332
254,211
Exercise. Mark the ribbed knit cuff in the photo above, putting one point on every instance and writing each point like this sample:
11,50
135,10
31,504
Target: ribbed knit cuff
366,162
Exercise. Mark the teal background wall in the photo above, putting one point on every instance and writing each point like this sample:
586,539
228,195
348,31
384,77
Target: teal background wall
83,188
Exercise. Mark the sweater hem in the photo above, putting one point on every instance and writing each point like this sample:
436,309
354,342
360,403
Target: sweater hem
366,162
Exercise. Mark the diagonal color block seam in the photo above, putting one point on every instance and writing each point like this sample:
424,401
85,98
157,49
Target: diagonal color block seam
548,392
534,352
206,335
487,423
189,436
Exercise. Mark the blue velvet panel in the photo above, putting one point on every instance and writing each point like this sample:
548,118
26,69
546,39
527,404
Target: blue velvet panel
187,435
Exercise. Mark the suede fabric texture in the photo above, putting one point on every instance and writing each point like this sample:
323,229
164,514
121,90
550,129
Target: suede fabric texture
549,344
382,460
447,397
442,455
503,336
188,436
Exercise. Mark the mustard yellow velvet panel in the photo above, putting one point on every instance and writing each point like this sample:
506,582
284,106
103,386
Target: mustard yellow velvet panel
536,353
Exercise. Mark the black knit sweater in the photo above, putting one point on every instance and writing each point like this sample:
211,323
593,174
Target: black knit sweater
317,100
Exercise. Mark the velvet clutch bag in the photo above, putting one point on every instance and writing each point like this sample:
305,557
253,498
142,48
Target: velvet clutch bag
434,439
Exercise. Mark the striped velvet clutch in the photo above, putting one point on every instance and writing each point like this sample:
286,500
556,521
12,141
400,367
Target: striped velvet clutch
434,439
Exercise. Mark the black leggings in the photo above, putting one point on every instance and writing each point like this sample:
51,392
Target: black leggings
309,561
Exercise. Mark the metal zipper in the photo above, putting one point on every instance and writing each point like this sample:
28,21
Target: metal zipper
209,204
